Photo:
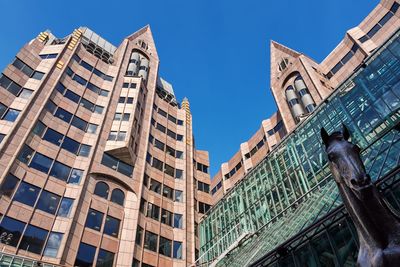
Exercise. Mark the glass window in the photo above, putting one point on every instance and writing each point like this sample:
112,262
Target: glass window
37,75
63,115
70,145
121,100
179,137
53,244
117,196
166,217
93,88
165,246
80,124
87,104
25,93
121,136
98,109
60,171
180,122
129,100
92,128
168,192
117,116
158,144
150,241
84,150
48,202
26,154
178,196
72,96
125,117
153,211
86,65
11,115
133,85
155,186
157,164
102,190
105,258
111,226
139,235
53,137
161,128
79,80
3,109
94,219
75,176
178,222
85,257
170,151
65,207
177,250
22,66
39,128
33,239
125,85
27,194
112,136
50,106
8,186
12,229
169,170
178,174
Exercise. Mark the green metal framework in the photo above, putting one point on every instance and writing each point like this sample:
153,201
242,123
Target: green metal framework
292,186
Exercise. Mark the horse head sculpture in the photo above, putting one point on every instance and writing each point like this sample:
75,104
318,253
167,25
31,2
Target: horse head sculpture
378,227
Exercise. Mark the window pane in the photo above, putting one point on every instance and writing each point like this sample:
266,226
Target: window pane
75,176
37,75
84,150
25,93
139,235
72,96
48,202
167,192
118,197
178,196
60,171
101,190
87,104
8,186
98,109
39,128
12,229
177,250
85,255
166,217
11,115
53,137
153,211
63,115
53,244
70,145
33,239
125,117
26,154
150,241
79,123
155,186
3,109
94,219
178,222
105,258
121,136
178,174
111,226
165,246
65,207
27,194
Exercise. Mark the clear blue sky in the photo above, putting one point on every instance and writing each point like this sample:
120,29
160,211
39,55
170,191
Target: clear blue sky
214,52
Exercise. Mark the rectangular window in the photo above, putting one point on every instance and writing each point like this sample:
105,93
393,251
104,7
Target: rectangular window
12,230
26,154
125,117
60,171
10,85
153,211
48,202
53,137
85,255
161,128
79,80
3,109
179,154
84,150
155,186
63,115
158,144
48,56
150,241
139,235
169,170
33,239
92,128
37,75
121,136
24,68
165,246
53,244
87,104
177,250
75,176
158,164
167,192
72,96
65,207
178,221
25,93
105,258
111,226
11,115
178,196
41,163
178,174
166,217
27,194
162,112
8,186
70,145
179,137
94,219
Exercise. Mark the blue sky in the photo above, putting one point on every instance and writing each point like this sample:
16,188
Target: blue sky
214,52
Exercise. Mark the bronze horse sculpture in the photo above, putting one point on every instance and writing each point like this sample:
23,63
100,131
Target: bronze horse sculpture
377,225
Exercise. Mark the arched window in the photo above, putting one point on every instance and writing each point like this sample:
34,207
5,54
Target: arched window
102,190
117,196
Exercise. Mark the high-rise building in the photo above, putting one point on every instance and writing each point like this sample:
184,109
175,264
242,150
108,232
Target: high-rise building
97,157
283,209
299,84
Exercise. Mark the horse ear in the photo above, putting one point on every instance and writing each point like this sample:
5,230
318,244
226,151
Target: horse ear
324,136
345,132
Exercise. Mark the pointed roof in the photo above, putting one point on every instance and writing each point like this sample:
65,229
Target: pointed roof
275,46
146,35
